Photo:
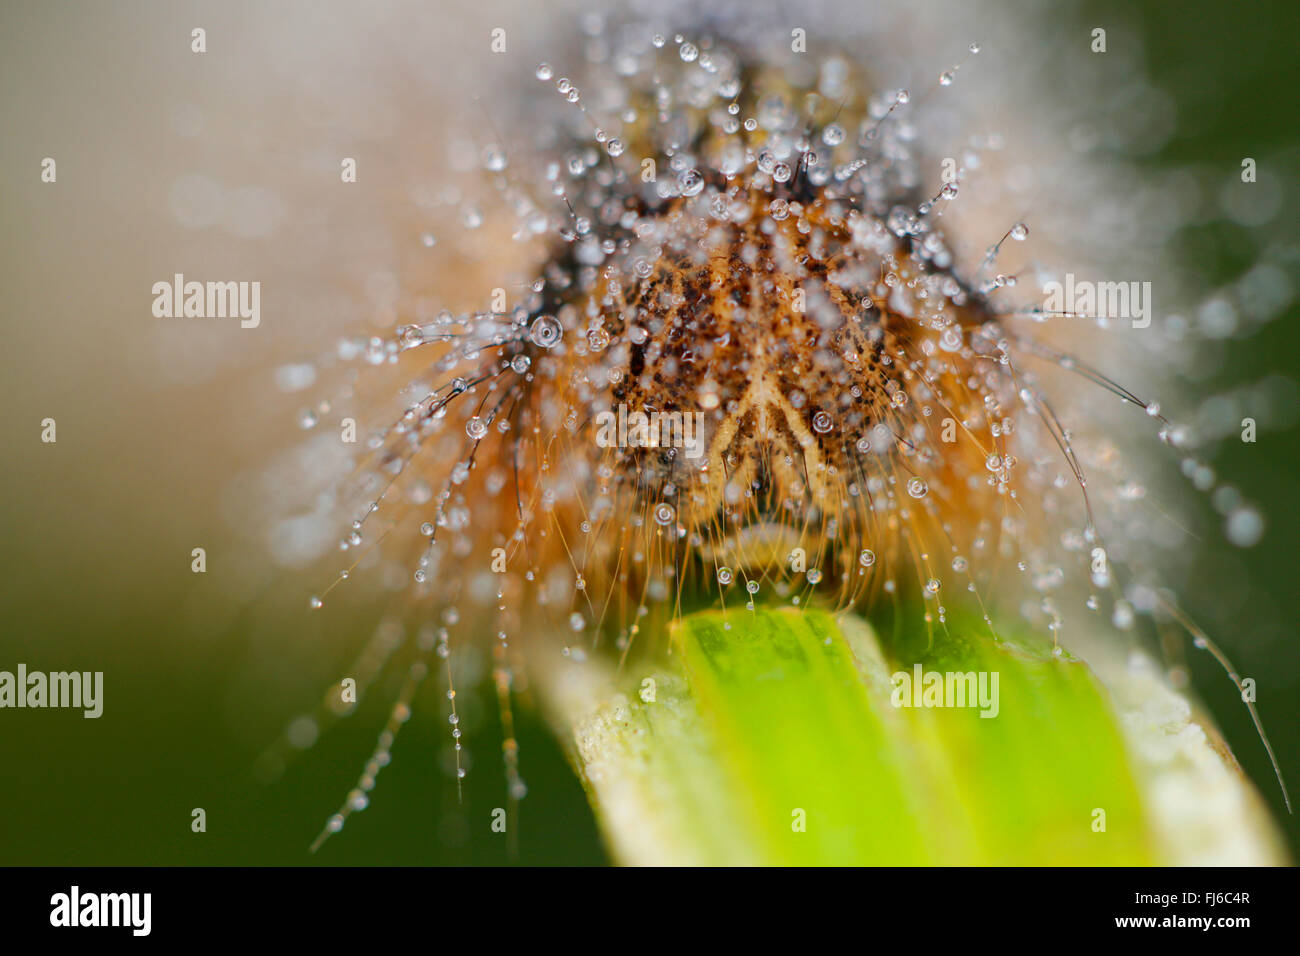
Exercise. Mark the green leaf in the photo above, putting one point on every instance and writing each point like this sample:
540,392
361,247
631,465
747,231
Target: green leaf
779,737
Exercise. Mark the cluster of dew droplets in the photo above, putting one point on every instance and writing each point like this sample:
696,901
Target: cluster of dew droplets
429,643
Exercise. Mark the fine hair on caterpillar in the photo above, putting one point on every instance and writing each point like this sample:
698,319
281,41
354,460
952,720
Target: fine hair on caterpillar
883,416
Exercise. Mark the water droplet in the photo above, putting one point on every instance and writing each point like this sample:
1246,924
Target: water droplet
576,621
814,575
689,52
833,135
822,423
691,183
664,513
917,488
1019,232
546,331
725,575
544,72
410,336
1122,617
315,602
867,558
1245,526
476,428
494,159
945,78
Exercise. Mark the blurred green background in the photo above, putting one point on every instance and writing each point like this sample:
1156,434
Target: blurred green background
90,578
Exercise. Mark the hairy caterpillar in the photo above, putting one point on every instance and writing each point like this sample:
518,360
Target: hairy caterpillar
888,420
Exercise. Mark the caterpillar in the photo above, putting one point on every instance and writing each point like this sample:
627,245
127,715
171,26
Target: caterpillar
776,346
